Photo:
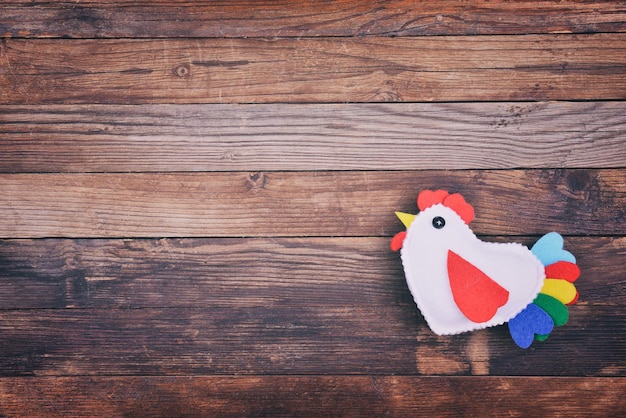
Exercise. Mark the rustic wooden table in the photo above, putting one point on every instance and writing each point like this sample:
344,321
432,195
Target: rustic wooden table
197,198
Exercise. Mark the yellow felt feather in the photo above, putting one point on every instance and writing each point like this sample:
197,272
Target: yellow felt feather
559,289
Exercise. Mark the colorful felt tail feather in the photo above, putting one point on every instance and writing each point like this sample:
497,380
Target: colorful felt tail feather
549,309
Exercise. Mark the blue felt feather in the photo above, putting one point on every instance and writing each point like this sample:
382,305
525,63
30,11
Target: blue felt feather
530,322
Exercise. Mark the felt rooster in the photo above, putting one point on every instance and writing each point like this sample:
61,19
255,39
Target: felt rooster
461,283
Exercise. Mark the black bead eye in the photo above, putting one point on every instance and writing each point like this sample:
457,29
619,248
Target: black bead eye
439,222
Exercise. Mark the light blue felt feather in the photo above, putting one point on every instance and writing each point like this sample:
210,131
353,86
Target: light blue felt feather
549,249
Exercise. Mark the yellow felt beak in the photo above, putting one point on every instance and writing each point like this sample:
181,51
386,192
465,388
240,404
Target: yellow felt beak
405,218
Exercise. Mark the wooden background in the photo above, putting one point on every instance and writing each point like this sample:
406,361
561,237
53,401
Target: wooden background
196,201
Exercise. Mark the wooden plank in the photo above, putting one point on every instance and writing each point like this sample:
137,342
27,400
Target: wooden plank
249,18
296,272
312,396
283,339
407,136
527,202
372,69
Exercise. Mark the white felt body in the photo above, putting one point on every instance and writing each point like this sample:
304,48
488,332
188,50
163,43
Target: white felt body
424,257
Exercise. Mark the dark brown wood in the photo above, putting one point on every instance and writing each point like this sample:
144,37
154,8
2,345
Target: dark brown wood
252,136
247,272
372,69
312,396
252,18
283,339
111,138
303,203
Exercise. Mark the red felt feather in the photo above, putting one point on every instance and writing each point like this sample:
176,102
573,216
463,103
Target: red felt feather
563,270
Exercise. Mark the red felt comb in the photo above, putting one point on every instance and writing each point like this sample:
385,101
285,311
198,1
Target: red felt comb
455,201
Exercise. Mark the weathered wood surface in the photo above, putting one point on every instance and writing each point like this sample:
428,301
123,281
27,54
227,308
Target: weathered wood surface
210,272
262,306
403,136
355,338
371,69
518,202
196,202
313,396
254,18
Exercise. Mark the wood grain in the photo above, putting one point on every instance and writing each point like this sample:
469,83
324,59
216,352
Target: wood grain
284,339
253,18
303,203
371,69
247,272
196,202
407,136
311,396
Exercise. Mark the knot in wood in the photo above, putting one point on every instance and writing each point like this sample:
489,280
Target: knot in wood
578,180
182,70
256,180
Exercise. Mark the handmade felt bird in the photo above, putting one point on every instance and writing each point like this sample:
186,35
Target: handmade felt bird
461,283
